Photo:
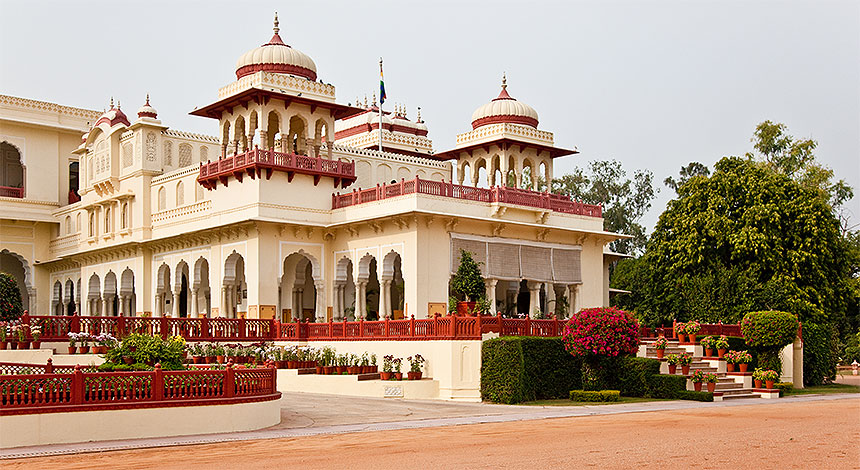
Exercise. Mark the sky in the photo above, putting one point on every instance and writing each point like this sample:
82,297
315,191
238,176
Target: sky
653,84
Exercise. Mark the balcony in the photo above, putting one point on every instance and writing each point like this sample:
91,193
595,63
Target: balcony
7,191
254,163
494,195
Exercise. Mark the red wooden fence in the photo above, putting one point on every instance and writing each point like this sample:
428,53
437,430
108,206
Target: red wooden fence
88,391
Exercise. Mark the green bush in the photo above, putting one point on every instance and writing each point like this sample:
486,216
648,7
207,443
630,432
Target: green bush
594,395
146,351
851,349
10,298
819,360
633,373
769,329
468,283
665,386
784,387
694,395
518,369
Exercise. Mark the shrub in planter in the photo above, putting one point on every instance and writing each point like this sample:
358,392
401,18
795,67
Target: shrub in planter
708,344
673,360
11,307
596,334
148,349
468,283
660,345
820,353
697,378
768,332
595,395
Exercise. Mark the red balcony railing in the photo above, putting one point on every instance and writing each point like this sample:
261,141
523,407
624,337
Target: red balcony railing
7,191
496,194
83,391
254,163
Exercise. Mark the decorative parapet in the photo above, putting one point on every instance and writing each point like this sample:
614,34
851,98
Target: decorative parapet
389,156
191,136
514,131
36,105
182,211
255,162
283,83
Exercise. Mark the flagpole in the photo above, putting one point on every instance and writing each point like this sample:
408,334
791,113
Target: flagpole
380,105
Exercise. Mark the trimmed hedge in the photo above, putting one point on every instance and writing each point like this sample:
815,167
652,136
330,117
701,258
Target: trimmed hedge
819,361
694,395
784,387
595,395
633,374
518,369
665,386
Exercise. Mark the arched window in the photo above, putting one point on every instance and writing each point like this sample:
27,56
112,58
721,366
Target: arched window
11,171
167,158
74,184
198,192
162,198
68,225
180,194
78,222
124,216
108,226
92,224
184,155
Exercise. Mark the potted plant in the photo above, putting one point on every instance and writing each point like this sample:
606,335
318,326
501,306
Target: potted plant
722,345
673,360
679,329
387,367
697,378
731,358
684,361
73,342
397,363
353,365
3,333
708,345
660,345
36,333
219,354
711,379
364,363
757,377
744,358
690,329
84,343
373,366
468,283
415,363
21,331
769,377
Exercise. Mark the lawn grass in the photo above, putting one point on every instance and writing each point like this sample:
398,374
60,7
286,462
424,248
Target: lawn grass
567,402
824,389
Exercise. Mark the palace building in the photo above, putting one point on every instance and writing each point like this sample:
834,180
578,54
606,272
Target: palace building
288,210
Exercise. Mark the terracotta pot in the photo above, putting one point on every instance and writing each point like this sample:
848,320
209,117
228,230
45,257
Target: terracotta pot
84,349
730,367
681,337
385,375
743,366
721,352
73,349
464,308
673,368
197,359
709,352
331,370
697,386
341,369
219,359
37,344
768,384
398,376
319,370
660,353
23,345
712,386
757,383
374,369
2,345
13,345
354,370
291,364
691,338
414,375
281,364
128,360
685,370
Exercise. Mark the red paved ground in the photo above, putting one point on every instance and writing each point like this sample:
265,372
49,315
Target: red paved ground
812,435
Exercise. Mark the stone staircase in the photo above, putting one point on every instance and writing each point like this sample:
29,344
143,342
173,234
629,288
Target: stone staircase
728,387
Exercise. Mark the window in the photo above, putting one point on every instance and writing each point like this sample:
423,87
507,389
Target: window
180,194
73,178
124,216
11,169
92,224
68,225
108,225
162,199
184,155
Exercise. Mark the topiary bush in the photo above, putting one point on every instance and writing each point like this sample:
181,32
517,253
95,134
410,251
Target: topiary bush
595,395
518,369
768,332
468,283
11,307
599,336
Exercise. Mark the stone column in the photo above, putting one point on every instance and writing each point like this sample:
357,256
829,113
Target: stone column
309,144
383,298
195,309
285,144
573,298
490,285
335,307
223,150
320,304
264,139
223,312
105,306
534,297
360,299
518,177
551,304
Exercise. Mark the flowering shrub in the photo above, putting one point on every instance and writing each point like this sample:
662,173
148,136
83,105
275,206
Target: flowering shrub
415,363
36,332
769,329
722,342
661,343
698,376
710,377
689,328
673,359
707,342
738,357
770,376
10,298
601,332
685,360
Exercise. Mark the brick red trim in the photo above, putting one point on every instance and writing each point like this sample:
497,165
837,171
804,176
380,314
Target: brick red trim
507,118
137,405
276,68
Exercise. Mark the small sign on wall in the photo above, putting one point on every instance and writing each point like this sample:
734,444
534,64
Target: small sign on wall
436,307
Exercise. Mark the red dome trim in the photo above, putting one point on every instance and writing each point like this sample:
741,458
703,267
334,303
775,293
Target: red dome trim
276,68
147,114
525,120
504,96
120,117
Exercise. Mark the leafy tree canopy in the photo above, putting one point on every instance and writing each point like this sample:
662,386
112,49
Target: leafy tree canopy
624,200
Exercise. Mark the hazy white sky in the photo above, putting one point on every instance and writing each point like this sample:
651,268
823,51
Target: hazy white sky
654,84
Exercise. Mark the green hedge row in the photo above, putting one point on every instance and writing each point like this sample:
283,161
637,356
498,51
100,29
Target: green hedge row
595,395
784,387
518,369
665,386
693,395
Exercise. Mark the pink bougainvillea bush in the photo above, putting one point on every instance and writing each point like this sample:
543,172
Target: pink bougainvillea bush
601,332
600,337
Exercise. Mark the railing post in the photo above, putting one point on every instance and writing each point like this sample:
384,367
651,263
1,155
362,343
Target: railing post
386,330
163,327
674,330
330,328
480,326
276,328
555,326
435,327
49,367
528,326
75,324
453,333
360,326
158,383
412,325
402,186
229,381
721,327
499,315
204,328
242,332
77,386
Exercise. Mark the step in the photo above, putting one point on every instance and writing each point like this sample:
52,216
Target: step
729,386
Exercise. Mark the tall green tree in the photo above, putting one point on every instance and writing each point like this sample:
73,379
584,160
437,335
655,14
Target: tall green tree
692,170
624,200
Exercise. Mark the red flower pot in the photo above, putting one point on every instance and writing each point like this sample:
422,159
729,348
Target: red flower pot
730,367
13,345
341,369
197,359
697,386
768,384
37,344
414,375
712,386
464,308
743,366
220,359
660,353
374,369
2,345
757,383
398,376
320,370
685,370
673,368
291,365
709,352
385,375
681,337
721,352
23,345
691,338
73,349
84,349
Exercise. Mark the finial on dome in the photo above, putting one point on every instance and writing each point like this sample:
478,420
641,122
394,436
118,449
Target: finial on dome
111,102
374,98
118,105
419,114
147,99
276,28
504,80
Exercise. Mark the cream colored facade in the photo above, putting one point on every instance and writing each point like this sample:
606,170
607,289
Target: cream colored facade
146,238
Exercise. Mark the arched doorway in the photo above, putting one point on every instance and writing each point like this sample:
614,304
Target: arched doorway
200,292
163,294
94,296
127,297
109,296
57,299
70,307
182,291
344,291
299,287
233,289
15,265
11,171
392,299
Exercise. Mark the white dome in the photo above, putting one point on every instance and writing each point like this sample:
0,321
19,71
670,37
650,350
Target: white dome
277,57
504,108
147,110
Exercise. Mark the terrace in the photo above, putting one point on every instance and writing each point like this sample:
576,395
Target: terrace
255,162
